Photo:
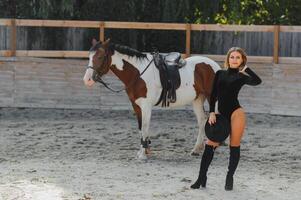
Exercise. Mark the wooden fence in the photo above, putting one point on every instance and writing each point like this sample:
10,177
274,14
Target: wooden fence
188,28
57,83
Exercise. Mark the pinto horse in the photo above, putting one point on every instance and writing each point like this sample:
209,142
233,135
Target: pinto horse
142,84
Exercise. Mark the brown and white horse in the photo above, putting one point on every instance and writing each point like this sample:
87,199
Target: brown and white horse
141,78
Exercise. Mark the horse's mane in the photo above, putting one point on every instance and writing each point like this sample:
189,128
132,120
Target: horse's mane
121,49
127,50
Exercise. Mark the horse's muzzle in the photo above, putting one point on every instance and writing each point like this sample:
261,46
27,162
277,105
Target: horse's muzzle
89,83
88,78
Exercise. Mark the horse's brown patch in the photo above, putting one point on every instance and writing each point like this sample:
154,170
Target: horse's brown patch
130,76
135,85
203,79
137,110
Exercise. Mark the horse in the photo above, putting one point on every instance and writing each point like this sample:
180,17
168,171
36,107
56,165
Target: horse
141,79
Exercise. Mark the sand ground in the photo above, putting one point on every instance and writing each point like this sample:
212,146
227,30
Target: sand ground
56,154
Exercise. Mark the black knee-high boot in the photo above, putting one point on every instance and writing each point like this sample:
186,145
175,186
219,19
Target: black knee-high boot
233,162
206,160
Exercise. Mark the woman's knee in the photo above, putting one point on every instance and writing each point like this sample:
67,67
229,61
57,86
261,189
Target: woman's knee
211,143
236,136
235,142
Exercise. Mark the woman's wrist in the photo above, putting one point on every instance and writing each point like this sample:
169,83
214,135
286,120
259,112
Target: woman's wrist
244,68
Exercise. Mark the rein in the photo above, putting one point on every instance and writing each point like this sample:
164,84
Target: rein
98,79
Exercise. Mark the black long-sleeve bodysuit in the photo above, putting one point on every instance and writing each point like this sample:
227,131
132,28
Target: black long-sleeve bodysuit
226,86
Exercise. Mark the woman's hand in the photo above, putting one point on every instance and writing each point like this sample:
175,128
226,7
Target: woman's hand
244,68
212,118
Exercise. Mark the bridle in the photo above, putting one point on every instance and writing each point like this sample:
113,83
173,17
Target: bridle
97,76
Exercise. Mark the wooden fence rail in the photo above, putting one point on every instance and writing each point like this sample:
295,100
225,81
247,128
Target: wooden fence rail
101,25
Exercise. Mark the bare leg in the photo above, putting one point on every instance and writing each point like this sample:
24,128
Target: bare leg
238,121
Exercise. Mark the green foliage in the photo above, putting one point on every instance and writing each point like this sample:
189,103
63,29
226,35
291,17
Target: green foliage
285,12
181,11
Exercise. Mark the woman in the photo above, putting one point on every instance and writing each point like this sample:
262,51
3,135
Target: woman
226,86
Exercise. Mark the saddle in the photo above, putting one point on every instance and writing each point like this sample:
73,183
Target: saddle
168,66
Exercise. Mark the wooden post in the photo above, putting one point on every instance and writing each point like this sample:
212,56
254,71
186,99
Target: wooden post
101,31
13,38
188,38
276,44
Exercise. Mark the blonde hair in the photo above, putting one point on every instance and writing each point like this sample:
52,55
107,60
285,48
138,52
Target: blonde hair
239,50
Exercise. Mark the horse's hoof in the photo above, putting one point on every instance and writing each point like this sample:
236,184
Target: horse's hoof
141,155
197,150
147,151
195,154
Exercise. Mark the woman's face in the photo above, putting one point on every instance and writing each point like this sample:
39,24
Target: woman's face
235,59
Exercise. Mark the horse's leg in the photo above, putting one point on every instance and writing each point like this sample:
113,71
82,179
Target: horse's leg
138,114
144,122
198,108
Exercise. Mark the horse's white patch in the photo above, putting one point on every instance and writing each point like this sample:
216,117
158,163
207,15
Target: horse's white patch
185,95
140,64
117,60
88,77
91,54
196,59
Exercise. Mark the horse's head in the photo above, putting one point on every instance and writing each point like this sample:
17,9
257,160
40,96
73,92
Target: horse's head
99,62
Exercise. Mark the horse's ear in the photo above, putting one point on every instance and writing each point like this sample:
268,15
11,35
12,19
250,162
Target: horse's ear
94,42
106,43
